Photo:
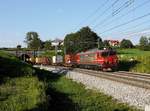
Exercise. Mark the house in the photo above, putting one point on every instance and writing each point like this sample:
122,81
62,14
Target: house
113,42
57,42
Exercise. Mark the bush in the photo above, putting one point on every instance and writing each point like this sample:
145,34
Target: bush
144,43
126,44
13,67
20,87
23,93
145,48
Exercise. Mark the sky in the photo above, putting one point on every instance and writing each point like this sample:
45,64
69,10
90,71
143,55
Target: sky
55,18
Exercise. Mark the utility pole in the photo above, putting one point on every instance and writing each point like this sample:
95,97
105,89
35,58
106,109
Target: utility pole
55,43
64,50
56,52
98,43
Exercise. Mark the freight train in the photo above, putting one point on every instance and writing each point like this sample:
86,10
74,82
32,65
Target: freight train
95,59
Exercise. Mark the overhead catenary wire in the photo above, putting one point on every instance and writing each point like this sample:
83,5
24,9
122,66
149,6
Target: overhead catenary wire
139,33
137,7
93,13
133,27
133,32
110,16
145,31
104,11
125,5
117,26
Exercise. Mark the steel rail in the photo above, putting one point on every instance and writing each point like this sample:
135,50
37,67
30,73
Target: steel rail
134,81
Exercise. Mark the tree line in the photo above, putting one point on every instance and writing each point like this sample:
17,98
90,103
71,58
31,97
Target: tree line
79,41
85,39
34,42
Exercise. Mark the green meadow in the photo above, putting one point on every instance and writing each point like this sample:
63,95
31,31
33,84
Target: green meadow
134,60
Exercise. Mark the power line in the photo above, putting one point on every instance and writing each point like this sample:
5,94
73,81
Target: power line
144,31
134,27
126,13
148,14
104,11
125,5
93,13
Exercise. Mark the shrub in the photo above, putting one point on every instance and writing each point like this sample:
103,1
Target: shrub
126,44
23,93
12,64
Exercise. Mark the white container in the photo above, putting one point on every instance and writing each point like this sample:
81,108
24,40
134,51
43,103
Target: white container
57,59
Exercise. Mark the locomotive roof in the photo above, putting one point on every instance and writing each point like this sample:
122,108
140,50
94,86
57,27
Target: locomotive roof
95,50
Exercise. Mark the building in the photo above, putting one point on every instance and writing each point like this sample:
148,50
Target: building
57,42
113,42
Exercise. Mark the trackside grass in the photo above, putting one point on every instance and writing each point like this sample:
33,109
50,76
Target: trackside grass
20,94
71,96
20,88
134,60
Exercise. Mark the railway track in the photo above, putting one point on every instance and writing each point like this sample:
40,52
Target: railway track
135,79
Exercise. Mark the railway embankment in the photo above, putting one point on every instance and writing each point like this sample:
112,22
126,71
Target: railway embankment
20,87
68,95
139,97
131,94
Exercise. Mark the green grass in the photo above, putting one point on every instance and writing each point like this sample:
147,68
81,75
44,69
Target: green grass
71,96
20,88
134,52
10,63
19,94
141,61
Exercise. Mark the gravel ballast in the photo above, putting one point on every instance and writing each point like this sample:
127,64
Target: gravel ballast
132,95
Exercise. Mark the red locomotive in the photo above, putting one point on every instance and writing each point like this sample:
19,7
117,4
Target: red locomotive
97,59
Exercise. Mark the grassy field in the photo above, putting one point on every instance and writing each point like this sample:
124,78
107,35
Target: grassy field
140,63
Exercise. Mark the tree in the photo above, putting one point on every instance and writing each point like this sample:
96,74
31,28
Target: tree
126,44
33,41
82,40
19,47
144,43
106,44
47,45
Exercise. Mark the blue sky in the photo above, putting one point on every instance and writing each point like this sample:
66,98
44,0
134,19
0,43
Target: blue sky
56,18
